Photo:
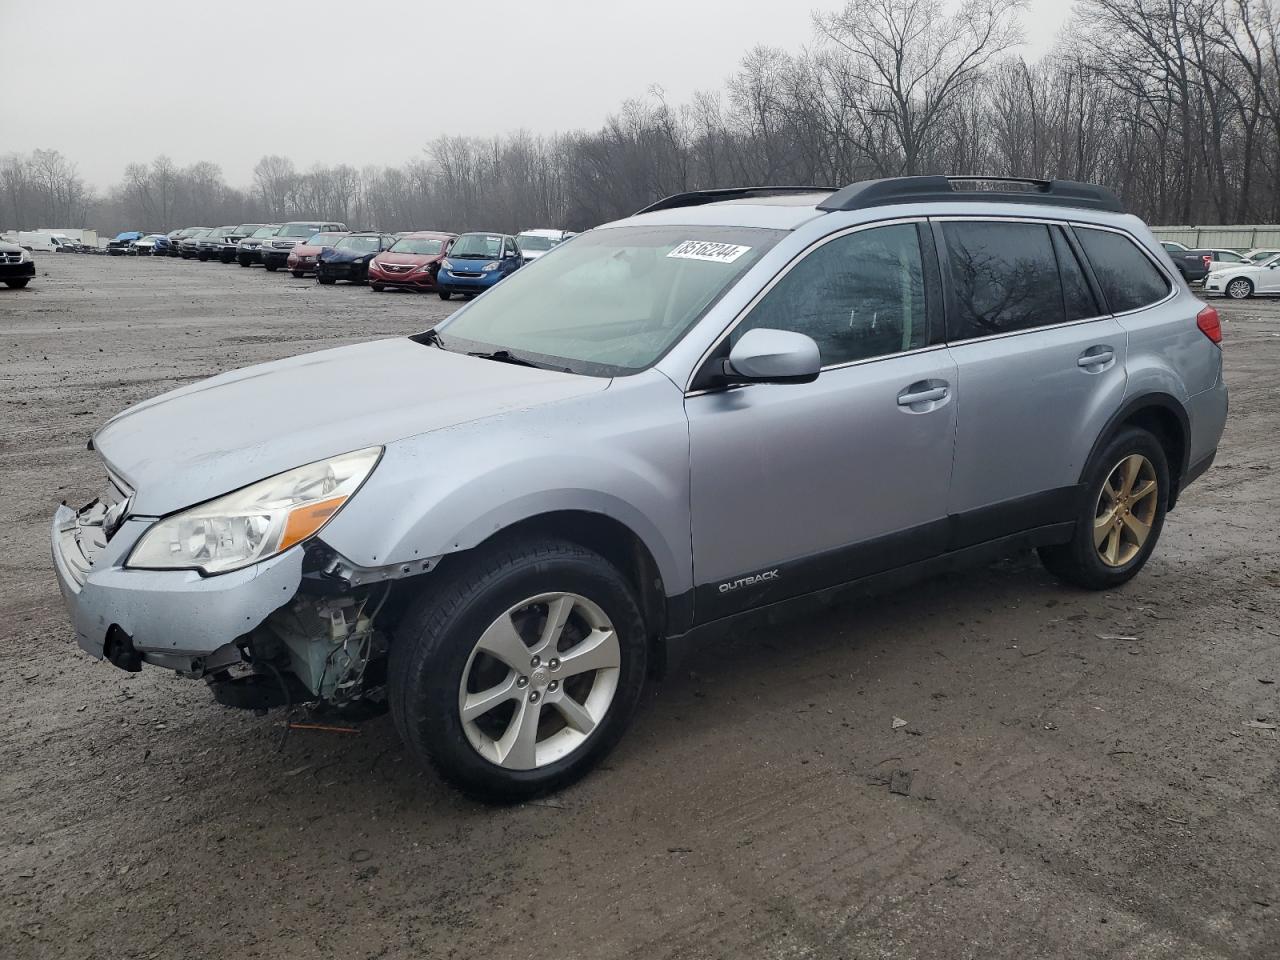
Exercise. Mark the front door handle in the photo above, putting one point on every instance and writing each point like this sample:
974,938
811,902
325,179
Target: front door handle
1096,358
924,396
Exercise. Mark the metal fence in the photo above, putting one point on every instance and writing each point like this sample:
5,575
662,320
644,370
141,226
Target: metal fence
1243,237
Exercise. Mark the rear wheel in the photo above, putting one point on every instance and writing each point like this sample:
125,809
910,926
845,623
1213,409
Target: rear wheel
518,672
19,283
1126,494
1240,289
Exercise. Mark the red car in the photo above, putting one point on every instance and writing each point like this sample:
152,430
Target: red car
302,258
412,262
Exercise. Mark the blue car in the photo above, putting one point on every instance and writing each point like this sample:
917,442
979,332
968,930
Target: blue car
476,262
119,245
161,246
348,259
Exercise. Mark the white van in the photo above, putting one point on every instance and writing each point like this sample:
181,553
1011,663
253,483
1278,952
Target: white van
44,240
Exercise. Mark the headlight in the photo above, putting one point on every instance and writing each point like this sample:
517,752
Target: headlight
425,268
1214,276
256,522
446,264
26,256
490,267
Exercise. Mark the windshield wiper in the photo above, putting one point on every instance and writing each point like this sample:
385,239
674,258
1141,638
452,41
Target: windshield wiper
432,337
505,356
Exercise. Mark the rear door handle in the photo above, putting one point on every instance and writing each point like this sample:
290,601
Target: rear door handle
1096,357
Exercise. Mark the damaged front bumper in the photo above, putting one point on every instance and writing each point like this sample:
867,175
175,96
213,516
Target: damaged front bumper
177,619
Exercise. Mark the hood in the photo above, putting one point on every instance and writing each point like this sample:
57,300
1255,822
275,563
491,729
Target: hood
409,259
218,435
308,250
334,255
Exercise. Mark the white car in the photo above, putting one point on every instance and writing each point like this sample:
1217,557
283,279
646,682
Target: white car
534,243
1224,259
1262,254
1240,281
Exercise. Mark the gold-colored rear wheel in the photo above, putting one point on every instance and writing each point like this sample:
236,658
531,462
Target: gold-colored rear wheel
1126,510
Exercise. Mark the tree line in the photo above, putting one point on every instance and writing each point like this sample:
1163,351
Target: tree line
1174,104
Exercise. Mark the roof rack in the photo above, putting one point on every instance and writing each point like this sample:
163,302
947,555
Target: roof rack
696,198
1061,193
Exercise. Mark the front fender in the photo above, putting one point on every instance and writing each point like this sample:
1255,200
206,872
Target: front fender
622,453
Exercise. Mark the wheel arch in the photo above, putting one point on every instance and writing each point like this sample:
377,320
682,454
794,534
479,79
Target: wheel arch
618,543
1163,416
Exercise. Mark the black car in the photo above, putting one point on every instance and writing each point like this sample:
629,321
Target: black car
348,259
17,266
231,242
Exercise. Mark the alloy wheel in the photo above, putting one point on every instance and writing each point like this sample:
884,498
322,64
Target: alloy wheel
1239,289
539,680
1126,510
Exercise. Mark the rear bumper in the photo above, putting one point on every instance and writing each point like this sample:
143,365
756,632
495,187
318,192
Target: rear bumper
170,616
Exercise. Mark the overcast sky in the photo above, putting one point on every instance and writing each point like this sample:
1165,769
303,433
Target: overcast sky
323,81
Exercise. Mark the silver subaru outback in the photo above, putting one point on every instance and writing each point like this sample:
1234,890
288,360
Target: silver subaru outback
732,400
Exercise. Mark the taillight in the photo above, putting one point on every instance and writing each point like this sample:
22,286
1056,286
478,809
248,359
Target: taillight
1208,259
1209,324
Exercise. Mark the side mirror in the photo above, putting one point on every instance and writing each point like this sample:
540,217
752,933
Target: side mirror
773,356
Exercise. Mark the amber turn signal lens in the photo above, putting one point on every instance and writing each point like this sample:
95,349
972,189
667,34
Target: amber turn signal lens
304,521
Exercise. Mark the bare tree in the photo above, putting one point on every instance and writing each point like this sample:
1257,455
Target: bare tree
915,63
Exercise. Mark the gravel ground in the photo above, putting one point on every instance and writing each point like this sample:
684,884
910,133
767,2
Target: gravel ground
1071,794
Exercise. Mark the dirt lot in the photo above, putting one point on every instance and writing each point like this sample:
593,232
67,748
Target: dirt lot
1072,794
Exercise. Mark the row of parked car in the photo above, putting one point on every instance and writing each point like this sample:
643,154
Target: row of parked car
1227,272
425,260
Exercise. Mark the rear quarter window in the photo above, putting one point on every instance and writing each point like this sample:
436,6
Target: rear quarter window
1129,280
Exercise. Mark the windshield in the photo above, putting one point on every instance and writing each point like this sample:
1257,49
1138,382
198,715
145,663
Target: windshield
613,301
264,233
477,246
297,230
528,242
360,244
325,239
1262,256
245,229
425,247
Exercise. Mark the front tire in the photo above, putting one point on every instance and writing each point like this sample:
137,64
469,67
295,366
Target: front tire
1240,289
517,671
376,287
243,262
298,273
327,281
19,283
271,267
444,294
1125,497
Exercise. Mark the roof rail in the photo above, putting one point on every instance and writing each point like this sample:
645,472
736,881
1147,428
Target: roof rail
696,198
1061,193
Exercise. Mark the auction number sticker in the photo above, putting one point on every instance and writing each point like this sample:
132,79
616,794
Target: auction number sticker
708,250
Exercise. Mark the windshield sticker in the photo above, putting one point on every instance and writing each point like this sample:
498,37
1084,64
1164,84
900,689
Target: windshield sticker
708,250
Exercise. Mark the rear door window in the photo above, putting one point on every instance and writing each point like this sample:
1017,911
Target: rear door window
1129,280
1004,278
1077,295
